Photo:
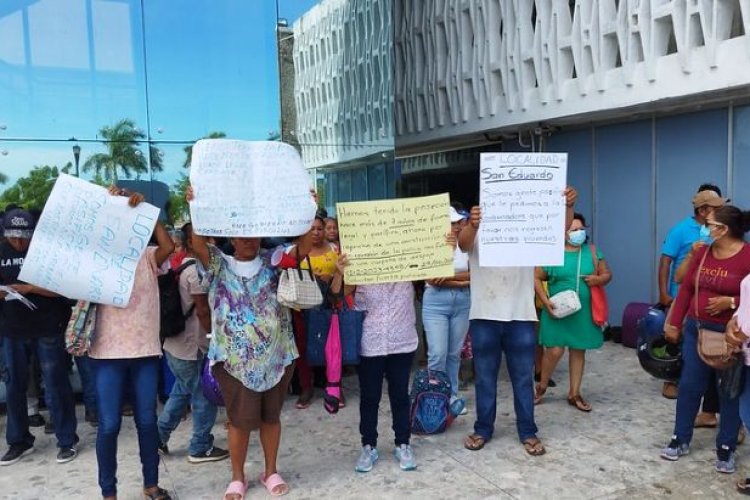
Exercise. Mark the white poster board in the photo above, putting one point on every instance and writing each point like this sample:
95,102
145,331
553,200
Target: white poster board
249,189
87,243
523,209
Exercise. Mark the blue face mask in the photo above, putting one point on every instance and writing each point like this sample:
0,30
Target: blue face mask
577,237
705,234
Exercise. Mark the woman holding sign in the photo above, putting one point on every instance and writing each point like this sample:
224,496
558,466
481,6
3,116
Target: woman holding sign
584,267
125,356
253,350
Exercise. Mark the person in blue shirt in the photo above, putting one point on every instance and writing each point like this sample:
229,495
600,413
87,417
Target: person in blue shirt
676,247
681,237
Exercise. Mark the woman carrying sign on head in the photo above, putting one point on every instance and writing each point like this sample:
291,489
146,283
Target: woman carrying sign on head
253,348
125,358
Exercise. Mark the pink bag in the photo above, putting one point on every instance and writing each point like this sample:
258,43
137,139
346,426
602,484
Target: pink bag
333,366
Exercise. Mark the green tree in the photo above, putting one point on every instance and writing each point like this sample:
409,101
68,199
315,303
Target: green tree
3,178
122,156
189,149
179,210
32,191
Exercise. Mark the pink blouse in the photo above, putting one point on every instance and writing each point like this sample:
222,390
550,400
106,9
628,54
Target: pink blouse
133,331
390,322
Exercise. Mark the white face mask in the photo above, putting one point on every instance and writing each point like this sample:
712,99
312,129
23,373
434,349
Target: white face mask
577,237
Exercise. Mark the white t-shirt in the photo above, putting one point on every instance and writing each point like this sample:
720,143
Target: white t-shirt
246,268
501,293
460,262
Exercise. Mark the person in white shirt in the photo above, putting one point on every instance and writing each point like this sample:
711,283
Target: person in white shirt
502,320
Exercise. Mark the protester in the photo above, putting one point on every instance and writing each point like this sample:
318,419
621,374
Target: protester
253,347
185,354
125,355
676,247
389,341
502,321
445,314
322,256
180,249
332,231
707,298
738,336
577,332
40,331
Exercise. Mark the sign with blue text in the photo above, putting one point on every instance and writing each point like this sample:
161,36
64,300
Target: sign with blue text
87,243
523,209
249,189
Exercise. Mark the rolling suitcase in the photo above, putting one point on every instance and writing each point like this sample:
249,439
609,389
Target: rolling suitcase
633,312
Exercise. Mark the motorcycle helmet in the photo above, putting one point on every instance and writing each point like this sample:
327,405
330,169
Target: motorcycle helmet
660,358
651,325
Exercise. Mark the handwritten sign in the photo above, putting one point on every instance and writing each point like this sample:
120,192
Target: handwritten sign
395,240
87,243
523,209
249,189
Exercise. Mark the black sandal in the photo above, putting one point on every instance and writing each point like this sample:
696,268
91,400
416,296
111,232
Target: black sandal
157,494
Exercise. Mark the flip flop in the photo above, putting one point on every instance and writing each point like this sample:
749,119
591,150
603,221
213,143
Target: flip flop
744,486
474,442
534,447
539,393
272,484
236,488
579,403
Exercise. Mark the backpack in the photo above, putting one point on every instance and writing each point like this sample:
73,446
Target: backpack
430,402
172,319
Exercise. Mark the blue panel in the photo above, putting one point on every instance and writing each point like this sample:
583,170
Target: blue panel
691,149
359,184
741,143
578,146
624,219
376,182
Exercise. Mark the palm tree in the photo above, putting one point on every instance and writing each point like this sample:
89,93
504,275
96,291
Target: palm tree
122,156
189,149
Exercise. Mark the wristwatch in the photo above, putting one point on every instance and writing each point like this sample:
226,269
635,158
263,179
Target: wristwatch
732,305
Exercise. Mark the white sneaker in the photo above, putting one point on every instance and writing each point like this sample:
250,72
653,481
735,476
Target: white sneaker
405,457
367,459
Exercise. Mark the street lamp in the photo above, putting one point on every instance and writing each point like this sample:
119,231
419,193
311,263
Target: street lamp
77,156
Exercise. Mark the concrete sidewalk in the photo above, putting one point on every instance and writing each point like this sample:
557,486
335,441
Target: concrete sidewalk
613,452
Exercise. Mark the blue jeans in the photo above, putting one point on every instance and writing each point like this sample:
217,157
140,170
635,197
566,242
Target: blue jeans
445,315
186,391
745,400
489,340
113,376
693,383
58,393
88,384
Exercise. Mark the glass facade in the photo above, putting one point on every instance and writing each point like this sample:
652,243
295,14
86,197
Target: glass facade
121,89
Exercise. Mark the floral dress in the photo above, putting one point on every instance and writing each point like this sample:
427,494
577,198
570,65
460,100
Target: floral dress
252,332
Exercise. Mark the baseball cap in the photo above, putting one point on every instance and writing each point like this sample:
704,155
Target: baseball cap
18,223
455,216
709,198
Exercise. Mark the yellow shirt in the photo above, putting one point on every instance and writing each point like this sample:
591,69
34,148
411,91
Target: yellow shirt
323,265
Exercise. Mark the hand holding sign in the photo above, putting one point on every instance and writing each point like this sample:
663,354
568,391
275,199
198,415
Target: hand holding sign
522,209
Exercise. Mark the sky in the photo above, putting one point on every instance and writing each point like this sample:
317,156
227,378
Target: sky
68,68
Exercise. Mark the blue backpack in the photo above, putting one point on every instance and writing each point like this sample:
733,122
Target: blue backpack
430,402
